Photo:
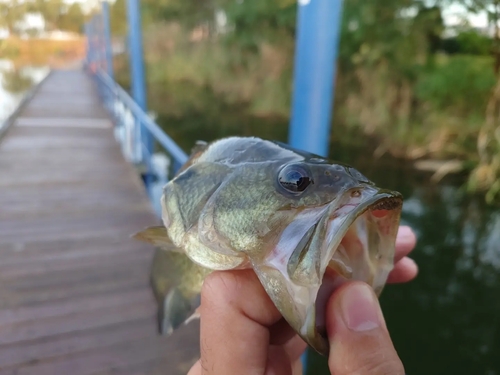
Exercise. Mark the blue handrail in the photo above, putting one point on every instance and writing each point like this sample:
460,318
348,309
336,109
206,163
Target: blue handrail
133,126
163,139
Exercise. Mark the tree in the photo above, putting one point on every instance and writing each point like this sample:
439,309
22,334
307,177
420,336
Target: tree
118,15
73,19
11,13
52,11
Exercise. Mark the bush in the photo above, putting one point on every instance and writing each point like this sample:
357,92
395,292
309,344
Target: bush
459,85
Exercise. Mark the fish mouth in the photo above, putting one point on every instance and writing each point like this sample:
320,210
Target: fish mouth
354,240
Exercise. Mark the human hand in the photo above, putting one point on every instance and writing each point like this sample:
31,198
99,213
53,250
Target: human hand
242,332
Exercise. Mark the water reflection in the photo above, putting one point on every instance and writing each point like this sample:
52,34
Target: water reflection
15,83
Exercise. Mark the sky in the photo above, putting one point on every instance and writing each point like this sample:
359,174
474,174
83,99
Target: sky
454,14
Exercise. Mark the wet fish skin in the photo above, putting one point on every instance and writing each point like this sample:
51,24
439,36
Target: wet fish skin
288,214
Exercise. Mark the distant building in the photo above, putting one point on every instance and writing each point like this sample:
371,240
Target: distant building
4,33
32,24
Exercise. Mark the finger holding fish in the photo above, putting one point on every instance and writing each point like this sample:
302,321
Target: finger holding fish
405,268
406,241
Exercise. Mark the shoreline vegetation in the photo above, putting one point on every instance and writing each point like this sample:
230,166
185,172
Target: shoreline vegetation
43,51
402,89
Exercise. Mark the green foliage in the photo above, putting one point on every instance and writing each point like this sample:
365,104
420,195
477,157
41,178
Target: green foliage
460,85
58,15
258,21
8,51
473,43
191,12
398,80
14,81
72,20
118,15
468,42
12,12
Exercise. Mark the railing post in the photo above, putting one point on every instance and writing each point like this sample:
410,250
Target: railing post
89,27
107,39
136,53
87,34
138,76
97,43
318,29
97,40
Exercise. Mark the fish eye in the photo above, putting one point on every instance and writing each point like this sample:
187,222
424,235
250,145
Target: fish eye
295,178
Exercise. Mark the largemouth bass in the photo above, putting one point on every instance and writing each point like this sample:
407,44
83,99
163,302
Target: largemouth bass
304,224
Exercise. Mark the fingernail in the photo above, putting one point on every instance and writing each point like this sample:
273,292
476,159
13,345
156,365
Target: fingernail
360,309
405,234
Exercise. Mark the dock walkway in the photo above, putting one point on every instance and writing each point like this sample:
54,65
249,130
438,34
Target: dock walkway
74,288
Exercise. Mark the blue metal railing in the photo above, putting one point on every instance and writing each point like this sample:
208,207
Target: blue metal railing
134,128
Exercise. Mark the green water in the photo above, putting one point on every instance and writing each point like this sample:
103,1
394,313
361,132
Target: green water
447,321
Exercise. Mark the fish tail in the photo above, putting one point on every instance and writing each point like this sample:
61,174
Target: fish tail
176,282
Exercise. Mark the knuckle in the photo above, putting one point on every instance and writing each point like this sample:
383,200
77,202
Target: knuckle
372,355
219,287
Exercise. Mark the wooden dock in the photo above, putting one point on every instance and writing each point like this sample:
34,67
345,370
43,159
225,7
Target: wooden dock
74,288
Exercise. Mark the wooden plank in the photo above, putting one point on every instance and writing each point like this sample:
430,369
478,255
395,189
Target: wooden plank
72,123
53,267
73,305
27,252
31,352
152,355
114,284
75,295
72,323
123,355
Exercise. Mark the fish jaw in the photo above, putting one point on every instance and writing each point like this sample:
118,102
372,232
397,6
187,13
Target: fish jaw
354,239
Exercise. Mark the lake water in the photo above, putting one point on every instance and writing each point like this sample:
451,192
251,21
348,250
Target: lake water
14,84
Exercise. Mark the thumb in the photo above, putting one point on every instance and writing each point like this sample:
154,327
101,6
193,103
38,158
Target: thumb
359,341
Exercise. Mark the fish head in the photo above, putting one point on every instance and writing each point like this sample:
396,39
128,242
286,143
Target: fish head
306,225
331,225
335,226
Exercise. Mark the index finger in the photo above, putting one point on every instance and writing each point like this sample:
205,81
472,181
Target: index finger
236,314
406,241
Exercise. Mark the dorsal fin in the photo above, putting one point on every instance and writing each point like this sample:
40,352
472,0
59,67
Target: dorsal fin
198,149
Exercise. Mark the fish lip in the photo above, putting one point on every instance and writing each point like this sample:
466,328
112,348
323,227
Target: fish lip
380,199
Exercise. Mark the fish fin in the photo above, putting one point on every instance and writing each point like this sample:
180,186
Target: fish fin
177,310
194,316
156,236
176,283
199,147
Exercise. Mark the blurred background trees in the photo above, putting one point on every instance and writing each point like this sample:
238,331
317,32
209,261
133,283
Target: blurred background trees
57,15
408,84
